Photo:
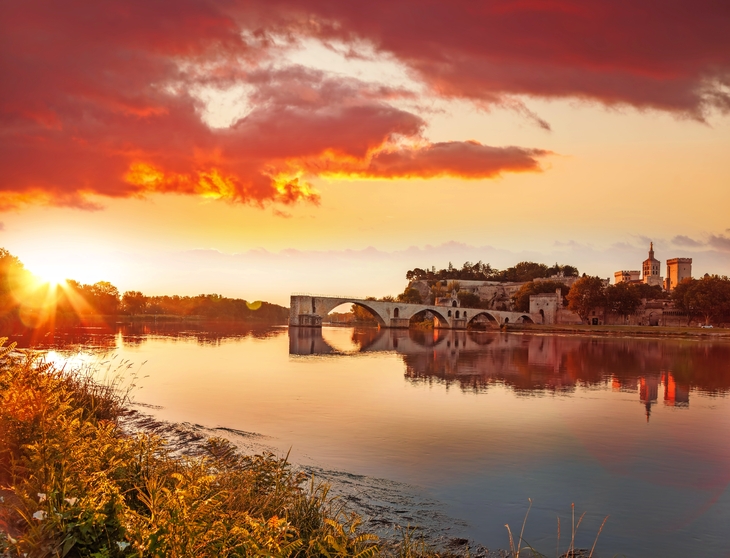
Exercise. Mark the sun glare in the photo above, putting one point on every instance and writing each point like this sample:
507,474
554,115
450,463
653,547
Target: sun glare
51,277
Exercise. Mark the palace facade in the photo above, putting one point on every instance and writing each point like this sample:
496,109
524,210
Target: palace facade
678,269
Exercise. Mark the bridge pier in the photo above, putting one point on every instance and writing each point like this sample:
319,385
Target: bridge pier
303,312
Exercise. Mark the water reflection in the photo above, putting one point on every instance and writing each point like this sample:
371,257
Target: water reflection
534,364
103,337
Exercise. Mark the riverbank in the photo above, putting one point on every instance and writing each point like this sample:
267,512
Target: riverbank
622,331
75,481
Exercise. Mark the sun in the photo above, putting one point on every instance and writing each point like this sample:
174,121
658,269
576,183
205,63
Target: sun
51,276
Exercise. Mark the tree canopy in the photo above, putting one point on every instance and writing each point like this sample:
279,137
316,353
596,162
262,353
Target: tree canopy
410,296
708,298
623,298
523,271
586,295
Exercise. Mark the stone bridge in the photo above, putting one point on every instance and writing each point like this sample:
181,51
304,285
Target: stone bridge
309,310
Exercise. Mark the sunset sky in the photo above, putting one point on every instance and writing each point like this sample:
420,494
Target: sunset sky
259,148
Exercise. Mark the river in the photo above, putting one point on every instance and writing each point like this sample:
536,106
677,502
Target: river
455,431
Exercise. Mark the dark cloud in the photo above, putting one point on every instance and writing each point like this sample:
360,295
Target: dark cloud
681,240
720,242
668,55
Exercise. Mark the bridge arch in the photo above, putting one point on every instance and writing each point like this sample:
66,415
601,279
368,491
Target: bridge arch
526,319
324,306
491,320
443,321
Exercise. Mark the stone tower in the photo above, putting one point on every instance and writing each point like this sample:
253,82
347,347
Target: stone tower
650,269
678,269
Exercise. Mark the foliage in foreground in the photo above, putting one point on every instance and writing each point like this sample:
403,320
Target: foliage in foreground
73,484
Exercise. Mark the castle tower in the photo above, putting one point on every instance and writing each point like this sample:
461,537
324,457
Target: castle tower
650,269
678,269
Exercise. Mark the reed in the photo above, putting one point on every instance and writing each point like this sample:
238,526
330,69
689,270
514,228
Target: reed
571,551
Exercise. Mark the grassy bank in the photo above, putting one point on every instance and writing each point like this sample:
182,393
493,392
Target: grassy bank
618,330
74,484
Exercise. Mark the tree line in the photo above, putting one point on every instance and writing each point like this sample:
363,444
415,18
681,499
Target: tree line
706,299
523,271
22,295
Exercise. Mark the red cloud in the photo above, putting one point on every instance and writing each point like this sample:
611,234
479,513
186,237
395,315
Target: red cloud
671,54
99,98
98,102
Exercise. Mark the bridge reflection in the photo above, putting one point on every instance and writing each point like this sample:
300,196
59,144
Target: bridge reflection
473,361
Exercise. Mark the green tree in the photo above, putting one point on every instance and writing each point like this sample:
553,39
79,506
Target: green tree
521,298
12,276
105,297
416,274
11,270
469,300
134,302
437,290
586,295
708,297
623,298
410,296
453,286
649,292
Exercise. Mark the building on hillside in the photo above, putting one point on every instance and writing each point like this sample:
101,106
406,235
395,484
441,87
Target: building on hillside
633,276
551,309
451,300
651,269
547,305
678,269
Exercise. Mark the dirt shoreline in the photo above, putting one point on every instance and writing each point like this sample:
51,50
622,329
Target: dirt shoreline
385,506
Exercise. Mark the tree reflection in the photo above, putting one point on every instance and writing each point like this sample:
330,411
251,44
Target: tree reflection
107,337
535,364
531,364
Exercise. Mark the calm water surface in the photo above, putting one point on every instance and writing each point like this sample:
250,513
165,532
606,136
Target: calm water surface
476,423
